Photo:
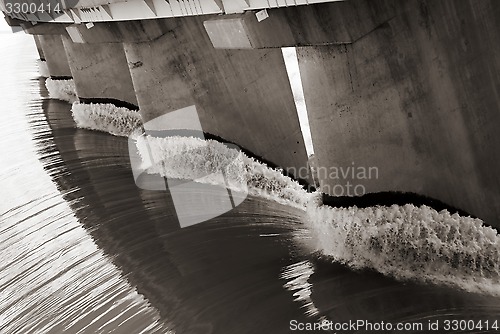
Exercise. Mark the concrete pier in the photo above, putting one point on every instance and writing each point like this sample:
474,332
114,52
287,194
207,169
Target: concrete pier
418,98
410,88
100,72
243,96
55,55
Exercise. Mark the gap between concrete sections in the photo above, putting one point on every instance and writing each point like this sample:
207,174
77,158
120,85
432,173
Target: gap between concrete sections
293,71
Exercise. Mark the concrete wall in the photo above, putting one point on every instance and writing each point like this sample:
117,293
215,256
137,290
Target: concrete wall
100,71
243,96
419,99
53,51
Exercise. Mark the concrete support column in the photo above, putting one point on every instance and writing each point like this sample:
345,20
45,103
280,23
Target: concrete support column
418,99
100,72
55,55
243,96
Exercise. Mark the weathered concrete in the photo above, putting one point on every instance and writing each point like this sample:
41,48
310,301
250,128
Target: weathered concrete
419,99
118,32
53,51
243,96
410,88
100,72
328,23
44,28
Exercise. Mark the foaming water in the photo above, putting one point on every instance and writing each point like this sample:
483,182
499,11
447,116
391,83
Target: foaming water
118,121
203,279
43,68
61,89
410,242
201,160
405,242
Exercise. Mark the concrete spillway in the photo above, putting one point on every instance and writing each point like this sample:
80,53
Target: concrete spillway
409,89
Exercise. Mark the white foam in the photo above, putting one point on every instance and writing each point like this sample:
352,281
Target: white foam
61,89
43,69
405,242
409,242
202,160
109,118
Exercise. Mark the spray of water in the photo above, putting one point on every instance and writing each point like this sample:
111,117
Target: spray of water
61,89
405,242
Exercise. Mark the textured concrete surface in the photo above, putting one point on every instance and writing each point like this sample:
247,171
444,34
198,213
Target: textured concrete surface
100,71
419,99
243,96
327,23
118,32
53,51
408,88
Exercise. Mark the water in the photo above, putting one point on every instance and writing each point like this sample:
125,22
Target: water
86,251
53,278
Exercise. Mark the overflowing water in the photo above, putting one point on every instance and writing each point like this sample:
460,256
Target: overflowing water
118,121
410,242
406,242
60,89
43,68
197,159
84,250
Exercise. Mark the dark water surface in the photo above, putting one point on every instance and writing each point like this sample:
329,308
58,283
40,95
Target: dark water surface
84,250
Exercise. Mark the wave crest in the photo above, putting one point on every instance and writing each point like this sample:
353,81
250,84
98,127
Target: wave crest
202,160
61,89
409,242
106,117
402,241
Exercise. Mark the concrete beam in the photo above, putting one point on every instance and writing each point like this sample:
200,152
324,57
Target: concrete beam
243,96
55,55
329,23
317,24
14,24
44,28
100,72
418,99
118,32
